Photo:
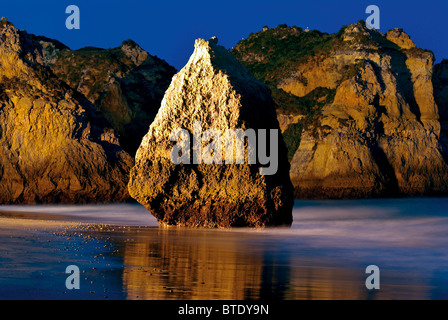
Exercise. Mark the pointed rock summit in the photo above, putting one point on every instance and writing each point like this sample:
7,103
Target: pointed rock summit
215,91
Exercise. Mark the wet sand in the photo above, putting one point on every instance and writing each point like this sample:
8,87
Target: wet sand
323,255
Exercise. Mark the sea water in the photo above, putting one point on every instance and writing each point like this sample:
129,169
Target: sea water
324,255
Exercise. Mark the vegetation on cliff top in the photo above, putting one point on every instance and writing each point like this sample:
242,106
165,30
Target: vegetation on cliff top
268,54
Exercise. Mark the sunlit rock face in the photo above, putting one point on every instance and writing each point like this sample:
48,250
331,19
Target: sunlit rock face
215,90
358,108
54,147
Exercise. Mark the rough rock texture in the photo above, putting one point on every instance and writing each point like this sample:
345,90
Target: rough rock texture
126,84
54,148
217,90
379,134
400,38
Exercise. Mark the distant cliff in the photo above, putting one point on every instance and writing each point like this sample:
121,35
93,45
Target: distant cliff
364,114
126,84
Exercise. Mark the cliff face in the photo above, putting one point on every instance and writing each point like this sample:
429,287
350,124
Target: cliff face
217,91
54,147
361,110
126,84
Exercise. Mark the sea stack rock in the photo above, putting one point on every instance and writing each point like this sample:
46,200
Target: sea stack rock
213,91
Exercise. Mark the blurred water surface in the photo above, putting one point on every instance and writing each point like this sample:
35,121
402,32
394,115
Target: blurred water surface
125,255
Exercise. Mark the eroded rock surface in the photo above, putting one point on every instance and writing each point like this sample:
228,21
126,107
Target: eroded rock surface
370,122
215,89
54,147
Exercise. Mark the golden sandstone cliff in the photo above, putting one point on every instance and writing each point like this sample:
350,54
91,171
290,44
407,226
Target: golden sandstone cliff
360,110
54,147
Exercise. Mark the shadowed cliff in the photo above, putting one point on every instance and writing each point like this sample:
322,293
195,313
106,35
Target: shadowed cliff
126,84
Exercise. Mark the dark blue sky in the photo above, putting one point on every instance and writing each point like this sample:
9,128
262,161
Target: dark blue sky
168,28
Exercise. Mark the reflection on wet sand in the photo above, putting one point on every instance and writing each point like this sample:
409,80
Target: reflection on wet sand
183,264
180,264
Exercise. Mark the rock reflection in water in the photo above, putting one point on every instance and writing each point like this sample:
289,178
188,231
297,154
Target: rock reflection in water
190,265
211,264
